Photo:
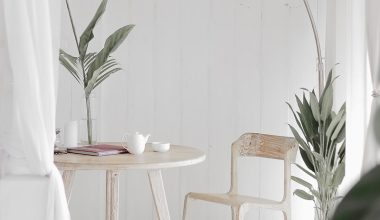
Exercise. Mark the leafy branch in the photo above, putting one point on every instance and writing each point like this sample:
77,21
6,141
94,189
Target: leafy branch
91,69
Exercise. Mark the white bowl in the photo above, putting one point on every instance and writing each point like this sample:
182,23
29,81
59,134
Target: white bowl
160,147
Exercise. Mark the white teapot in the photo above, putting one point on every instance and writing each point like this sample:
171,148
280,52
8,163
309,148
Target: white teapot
135,143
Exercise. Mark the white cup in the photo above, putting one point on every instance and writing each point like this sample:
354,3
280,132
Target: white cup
70,133
160,147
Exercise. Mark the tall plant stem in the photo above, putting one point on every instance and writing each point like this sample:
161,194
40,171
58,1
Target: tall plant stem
77,43
89,119
321,74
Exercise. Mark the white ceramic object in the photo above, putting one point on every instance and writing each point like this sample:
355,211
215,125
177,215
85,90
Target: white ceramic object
70,134
160,147
135,143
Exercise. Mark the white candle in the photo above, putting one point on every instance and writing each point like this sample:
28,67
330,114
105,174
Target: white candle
71,134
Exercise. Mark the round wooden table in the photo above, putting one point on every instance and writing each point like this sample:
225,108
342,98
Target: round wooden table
151,161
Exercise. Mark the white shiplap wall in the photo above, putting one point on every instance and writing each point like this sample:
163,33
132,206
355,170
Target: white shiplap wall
198,73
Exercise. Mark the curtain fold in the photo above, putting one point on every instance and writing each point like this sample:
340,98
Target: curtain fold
373,42
31,55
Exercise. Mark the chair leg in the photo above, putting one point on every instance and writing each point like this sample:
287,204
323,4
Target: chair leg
238,212
185,205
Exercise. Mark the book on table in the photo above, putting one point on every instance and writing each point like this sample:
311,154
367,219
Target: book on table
98,150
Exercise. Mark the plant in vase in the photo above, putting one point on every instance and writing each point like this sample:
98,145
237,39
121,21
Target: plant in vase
91,69
322,148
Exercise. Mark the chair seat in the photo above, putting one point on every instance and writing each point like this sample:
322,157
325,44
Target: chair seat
236,200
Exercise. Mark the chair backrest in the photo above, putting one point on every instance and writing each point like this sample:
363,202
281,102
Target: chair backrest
267,146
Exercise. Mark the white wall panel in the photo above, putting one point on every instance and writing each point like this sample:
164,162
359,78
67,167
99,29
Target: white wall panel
197,73
275,72
166,84
222,98
194,64
248,43
302,73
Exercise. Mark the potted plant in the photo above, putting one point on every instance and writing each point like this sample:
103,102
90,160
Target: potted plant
322,148
91,69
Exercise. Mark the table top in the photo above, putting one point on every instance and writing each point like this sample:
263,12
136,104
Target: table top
177,156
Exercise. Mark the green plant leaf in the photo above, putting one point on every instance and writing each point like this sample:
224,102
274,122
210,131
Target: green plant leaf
108,65
309,113
315,107
306,159
107,69
328,83
115,39
310,134
303,195
296,118
90,84
327,103
106,75
302,182
316,194
70,63
298,138
89,58
339,175
342,135
306,171
71,58
88,34
111,44
339,128
334,123
318,156
304,149
308,122
342,152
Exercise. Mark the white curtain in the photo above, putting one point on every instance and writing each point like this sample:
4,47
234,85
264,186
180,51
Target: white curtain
355,51
29,41
372,145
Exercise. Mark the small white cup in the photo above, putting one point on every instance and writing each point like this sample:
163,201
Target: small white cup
70,133
160,147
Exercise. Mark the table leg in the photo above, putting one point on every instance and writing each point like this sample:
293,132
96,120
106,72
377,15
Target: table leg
68,179
159,196
112,211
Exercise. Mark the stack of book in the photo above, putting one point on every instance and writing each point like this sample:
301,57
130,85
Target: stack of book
98,150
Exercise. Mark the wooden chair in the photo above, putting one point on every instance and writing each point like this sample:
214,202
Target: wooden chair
256,145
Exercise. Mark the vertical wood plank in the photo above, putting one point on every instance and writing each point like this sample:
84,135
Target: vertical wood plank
194,59
275,49
166,78
139,98
303,73
248,70
112,117
222,98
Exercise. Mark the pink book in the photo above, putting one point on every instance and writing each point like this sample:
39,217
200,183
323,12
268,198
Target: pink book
98,150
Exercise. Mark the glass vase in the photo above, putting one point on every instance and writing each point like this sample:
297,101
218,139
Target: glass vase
88,128
325,210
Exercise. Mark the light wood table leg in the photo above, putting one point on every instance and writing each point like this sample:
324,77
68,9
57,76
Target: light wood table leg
68,179
112,210
158,191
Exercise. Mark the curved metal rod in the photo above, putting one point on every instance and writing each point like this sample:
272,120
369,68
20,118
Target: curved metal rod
321,74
